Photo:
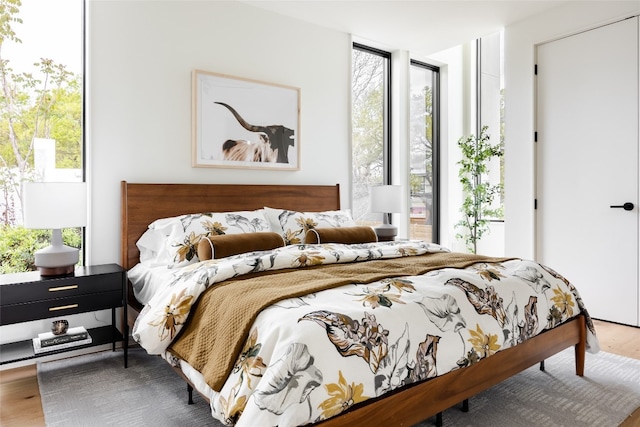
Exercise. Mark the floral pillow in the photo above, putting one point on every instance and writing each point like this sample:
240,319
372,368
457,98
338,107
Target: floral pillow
174,241
294,225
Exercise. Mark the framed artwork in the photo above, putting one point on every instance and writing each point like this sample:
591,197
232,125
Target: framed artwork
242,123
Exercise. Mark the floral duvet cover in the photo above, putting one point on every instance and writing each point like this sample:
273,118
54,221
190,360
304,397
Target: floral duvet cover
311,357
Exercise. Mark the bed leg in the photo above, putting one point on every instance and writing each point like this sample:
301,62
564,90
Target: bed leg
581,348
190,392
439,419
542,365
465,405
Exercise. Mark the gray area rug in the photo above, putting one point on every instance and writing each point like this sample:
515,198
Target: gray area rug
95,390
607,394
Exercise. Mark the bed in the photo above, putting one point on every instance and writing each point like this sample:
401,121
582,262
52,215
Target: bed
398,393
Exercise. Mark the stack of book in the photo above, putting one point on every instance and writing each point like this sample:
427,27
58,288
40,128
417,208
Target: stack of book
49,342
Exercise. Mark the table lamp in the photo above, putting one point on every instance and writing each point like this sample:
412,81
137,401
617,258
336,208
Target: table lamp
386,199
55,205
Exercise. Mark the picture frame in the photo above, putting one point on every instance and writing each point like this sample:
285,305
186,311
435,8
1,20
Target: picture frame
244,123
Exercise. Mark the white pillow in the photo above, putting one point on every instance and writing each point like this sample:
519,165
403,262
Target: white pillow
294,225
147,280
153,250
174,241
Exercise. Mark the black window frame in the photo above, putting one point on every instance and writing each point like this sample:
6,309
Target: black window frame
83,117
386,143
435,148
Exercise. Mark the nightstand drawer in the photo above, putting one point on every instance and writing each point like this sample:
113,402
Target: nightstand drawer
59,307
58,288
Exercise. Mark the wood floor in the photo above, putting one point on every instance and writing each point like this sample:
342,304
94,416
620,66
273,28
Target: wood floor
20,403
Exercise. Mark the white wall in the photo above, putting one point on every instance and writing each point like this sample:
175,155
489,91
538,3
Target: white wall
141,55
520,42
454,122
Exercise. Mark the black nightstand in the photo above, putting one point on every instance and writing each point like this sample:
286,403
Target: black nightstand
28,296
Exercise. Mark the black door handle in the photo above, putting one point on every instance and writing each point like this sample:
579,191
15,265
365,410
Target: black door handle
627,206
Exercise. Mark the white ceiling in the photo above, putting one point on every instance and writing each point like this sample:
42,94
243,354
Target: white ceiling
422,27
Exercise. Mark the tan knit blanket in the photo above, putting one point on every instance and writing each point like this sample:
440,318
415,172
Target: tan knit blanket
221,320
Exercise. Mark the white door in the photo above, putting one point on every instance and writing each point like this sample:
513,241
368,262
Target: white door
587,161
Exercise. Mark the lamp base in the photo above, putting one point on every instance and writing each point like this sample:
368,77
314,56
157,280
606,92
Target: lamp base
386,232
57,271
57,259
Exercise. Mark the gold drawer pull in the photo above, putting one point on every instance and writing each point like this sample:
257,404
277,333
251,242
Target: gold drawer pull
63,307
63,288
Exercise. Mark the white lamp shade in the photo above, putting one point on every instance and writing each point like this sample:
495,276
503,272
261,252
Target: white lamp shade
386,199
54,204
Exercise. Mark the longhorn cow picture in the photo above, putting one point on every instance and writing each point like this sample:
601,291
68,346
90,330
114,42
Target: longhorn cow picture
273,146
244,123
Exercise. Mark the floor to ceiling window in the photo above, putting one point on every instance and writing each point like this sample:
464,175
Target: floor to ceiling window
41,120
423,135
490,108
372,161
370,127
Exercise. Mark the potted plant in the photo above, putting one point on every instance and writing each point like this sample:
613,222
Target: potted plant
478,193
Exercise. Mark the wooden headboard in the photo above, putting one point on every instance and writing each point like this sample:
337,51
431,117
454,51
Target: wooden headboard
141,204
